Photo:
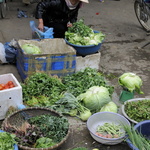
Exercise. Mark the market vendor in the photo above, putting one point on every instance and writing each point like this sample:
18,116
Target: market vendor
58,14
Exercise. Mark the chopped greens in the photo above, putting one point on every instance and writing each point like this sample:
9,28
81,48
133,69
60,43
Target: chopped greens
138,110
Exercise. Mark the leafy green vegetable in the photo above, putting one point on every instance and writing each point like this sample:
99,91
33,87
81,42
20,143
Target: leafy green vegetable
70,105
44,142
54,127
81,34
7,141
31,49
110,107
38,101
137,139
131,81
138,110
42,84
95,98
81,81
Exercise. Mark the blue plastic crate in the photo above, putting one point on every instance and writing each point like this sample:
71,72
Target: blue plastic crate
59,64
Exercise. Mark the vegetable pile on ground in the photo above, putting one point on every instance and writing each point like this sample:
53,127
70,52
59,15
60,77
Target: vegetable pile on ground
138,110
7,141
40,84
81,81
81,34
70,105
109,130
40,131
79,94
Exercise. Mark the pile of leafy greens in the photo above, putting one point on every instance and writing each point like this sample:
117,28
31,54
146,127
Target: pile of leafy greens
40,131
7,141
81,34
81,81
42,84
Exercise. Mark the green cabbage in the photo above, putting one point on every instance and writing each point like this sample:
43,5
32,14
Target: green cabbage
131,81
95,98
110,107
31,49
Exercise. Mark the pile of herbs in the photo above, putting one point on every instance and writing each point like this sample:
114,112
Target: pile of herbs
42,84
138,110
81,81
41,131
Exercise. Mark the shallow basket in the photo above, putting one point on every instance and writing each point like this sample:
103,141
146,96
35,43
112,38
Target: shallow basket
17,118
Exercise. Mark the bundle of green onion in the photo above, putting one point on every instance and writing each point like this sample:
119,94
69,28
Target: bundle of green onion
137,139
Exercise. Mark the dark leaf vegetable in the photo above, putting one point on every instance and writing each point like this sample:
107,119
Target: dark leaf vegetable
81,81
40,130
42,84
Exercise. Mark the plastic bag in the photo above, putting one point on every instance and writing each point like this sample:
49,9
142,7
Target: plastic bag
10,53
48,32
2,54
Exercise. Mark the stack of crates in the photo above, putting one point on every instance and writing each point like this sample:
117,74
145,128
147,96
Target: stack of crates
57,58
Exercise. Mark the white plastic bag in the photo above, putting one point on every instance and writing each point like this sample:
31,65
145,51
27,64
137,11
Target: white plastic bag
2,54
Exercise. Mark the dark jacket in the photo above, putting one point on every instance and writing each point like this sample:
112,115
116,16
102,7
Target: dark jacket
56,11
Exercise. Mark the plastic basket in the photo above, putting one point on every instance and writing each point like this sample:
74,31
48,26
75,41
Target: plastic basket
126,95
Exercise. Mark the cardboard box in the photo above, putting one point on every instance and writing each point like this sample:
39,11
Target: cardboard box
9,97
57,58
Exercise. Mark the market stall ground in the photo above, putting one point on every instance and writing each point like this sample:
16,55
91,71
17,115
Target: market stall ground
120,52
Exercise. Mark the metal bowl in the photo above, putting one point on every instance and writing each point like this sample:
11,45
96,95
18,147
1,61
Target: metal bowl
123,108
106,117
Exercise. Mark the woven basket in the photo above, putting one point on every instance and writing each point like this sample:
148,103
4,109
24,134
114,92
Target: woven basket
17,119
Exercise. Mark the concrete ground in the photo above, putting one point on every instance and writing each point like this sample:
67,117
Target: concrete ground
121,52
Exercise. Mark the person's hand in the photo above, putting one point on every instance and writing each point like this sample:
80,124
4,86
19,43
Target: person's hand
69,24
41,26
